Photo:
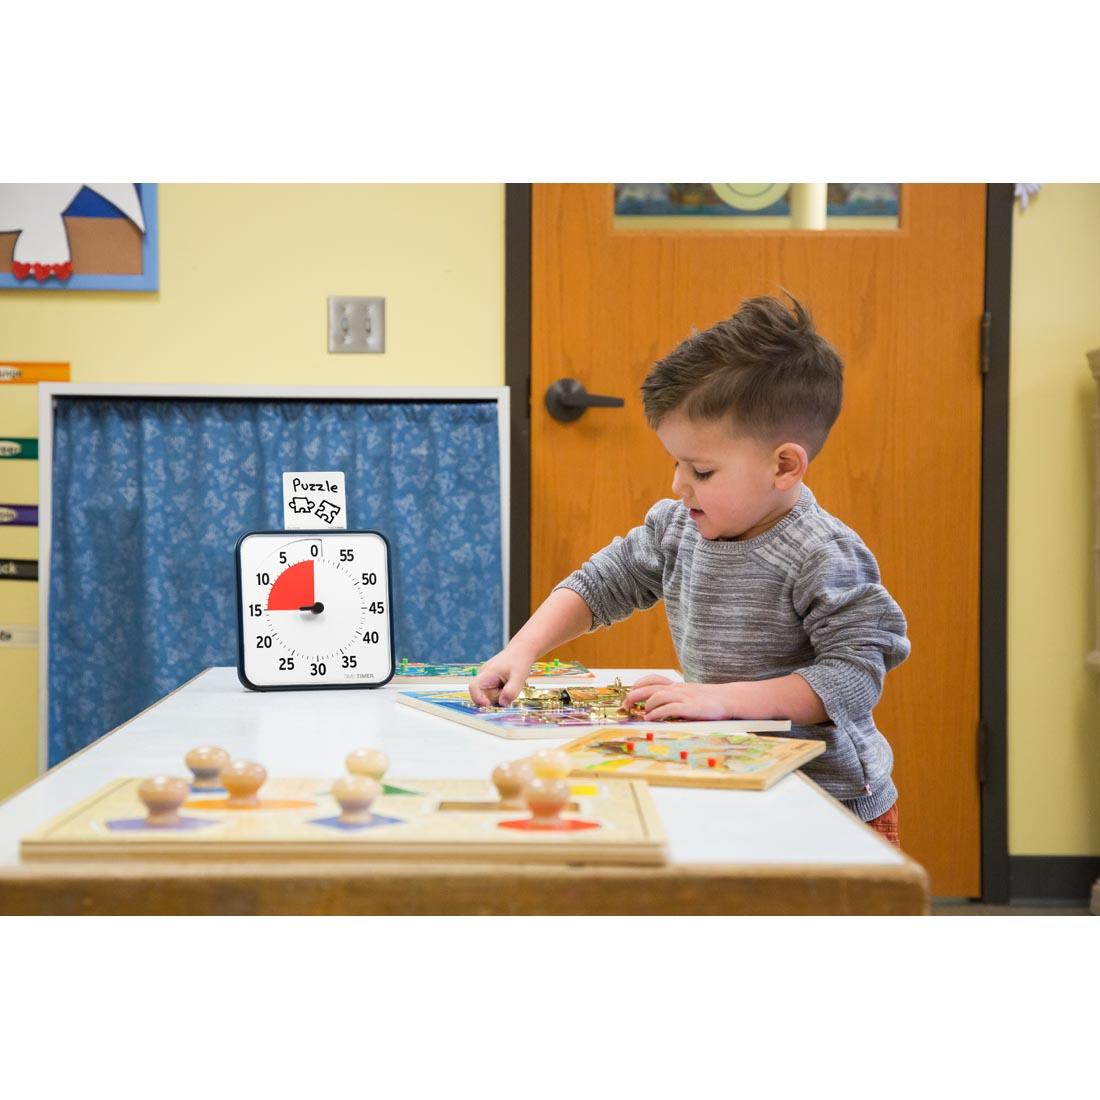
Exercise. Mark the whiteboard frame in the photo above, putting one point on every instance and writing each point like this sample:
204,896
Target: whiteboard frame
49,392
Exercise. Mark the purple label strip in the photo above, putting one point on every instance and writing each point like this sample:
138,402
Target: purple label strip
19,515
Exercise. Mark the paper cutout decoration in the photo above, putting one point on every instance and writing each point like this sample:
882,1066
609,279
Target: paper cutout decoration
78,236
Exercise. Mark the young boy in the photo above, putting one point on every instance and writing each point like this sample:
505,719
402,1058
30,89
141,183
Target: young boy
775,606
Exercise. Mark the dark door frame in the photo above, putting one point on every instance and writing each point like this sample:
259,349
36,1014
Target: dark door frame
993,735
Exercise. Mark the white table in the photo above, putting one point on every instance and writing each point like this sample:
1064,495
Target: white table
788,849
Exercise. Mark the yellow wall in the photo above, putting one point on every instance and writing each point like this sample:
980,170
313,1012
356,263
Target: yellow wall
245,272
1053,702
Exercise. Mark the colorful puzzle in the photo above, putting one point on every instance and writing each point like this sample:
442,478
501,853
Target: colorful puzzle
557,712
675,758
411,819
423,672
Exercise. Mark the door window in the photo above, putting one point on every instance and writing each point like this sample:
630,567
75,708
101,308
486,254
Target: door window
756,206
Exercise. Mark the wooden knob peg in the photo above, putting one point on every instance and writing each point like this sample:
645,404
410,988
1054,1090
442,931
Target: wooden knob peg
163,795
355,794
372,763
242,779
510,779
206,763
546,798
551,764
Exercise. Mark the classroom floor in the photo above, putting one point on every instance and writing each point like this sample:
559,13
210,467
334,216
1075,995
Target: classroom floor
960,907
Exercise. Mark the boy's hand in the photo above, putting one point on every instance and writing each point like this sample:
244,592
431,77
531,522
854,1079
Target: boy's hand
665,698
635,696
500,679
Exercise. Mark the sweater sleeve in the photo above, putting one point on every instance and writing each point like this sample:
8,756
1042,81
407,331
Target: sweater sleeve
625,576
855,627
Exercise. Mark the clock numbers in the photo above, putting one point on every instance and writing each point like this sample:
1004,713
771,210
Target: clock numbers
313,610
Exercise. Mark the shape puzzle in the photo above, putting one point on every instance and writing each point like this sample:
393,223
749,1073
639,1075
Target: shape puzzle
436,819
557,712
675,758
410,672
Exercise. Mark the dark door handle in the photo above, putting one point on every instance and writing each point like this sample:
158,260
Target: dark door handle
567,399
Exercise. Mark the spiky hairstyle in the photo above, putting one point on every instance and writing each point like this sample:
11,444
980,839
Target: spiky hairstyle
766,369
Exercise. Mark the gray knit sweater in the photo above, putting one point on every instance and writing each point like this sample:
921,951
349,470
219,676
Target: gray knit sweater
802,597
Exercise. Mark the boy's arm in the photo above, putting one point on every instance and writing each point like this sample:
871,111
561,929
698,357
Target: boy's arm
562,617
627,575
788,697
857,630
612,584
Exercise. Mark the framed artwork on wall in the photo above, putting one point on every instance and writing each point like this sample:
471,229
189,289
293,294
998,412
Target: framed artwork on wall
78,236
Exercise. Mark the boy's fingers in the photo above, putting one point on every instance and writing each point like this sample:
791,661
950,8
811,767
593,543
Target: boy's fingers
481,685
666,710
656,698
652,678
513,687
637,694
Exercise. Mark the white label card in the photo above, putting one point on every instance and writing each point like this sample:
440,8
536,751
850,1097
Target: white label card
314,500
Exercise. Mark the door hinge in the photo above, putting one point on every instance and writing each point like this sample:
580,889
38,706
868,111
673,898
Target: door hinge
983,743
987,326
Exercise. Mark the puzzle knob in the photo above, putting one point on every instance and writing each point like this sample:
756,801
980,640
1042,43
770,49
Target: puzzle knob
355,794
510,778
546,798
242,779
163,795
206,763
372,763
551,764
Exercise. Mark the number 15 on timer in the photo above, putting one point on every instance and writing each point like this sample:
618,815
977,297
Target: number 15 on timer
314,610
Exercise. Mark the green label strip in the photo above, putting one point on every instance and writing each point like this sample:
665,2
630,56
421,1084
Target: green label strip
18,448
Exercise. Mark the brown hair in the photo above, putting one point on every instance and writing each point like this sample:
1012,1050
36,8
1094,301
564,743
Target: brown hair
766,368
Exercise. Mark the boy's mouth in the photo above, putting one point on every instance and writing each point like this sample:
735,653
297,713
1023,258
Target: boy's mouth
695,512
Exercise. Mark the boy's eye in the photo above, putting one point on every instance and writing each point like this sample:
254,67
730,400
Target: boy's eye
702,475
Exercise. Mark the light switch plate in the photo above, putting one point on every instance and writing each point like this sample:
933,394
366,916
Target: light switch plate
357,324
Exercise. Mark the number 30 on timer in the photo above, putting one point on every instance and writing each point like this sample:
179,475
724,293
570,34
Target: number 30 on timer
313,610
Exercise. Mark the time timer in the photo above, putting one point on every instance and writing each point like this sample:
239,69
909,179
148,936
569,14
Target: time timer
314,610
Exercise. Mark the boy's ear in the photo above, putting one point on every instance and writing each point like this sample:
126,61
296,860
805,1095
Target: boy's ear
791,462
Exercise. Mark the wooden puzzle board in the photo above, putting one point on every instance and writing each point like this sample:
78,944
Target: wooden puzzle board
437,819
548,672
672,758
516,723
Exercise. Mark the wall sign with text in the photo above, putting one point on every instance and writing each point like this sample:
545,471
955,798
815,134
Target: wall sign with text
18,569
18,515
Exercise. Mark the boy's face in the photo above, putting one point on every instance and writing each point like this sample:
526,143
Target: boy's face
728,482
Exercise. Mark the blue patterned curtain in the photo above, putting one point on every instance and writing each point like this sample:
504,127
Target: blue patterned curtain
150,496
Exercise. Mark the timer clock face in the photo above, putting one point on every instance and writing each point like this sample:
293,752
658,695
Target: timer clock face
313,609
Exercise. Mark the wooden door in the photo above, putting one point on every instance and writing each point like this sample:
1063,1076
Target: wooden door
902,466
